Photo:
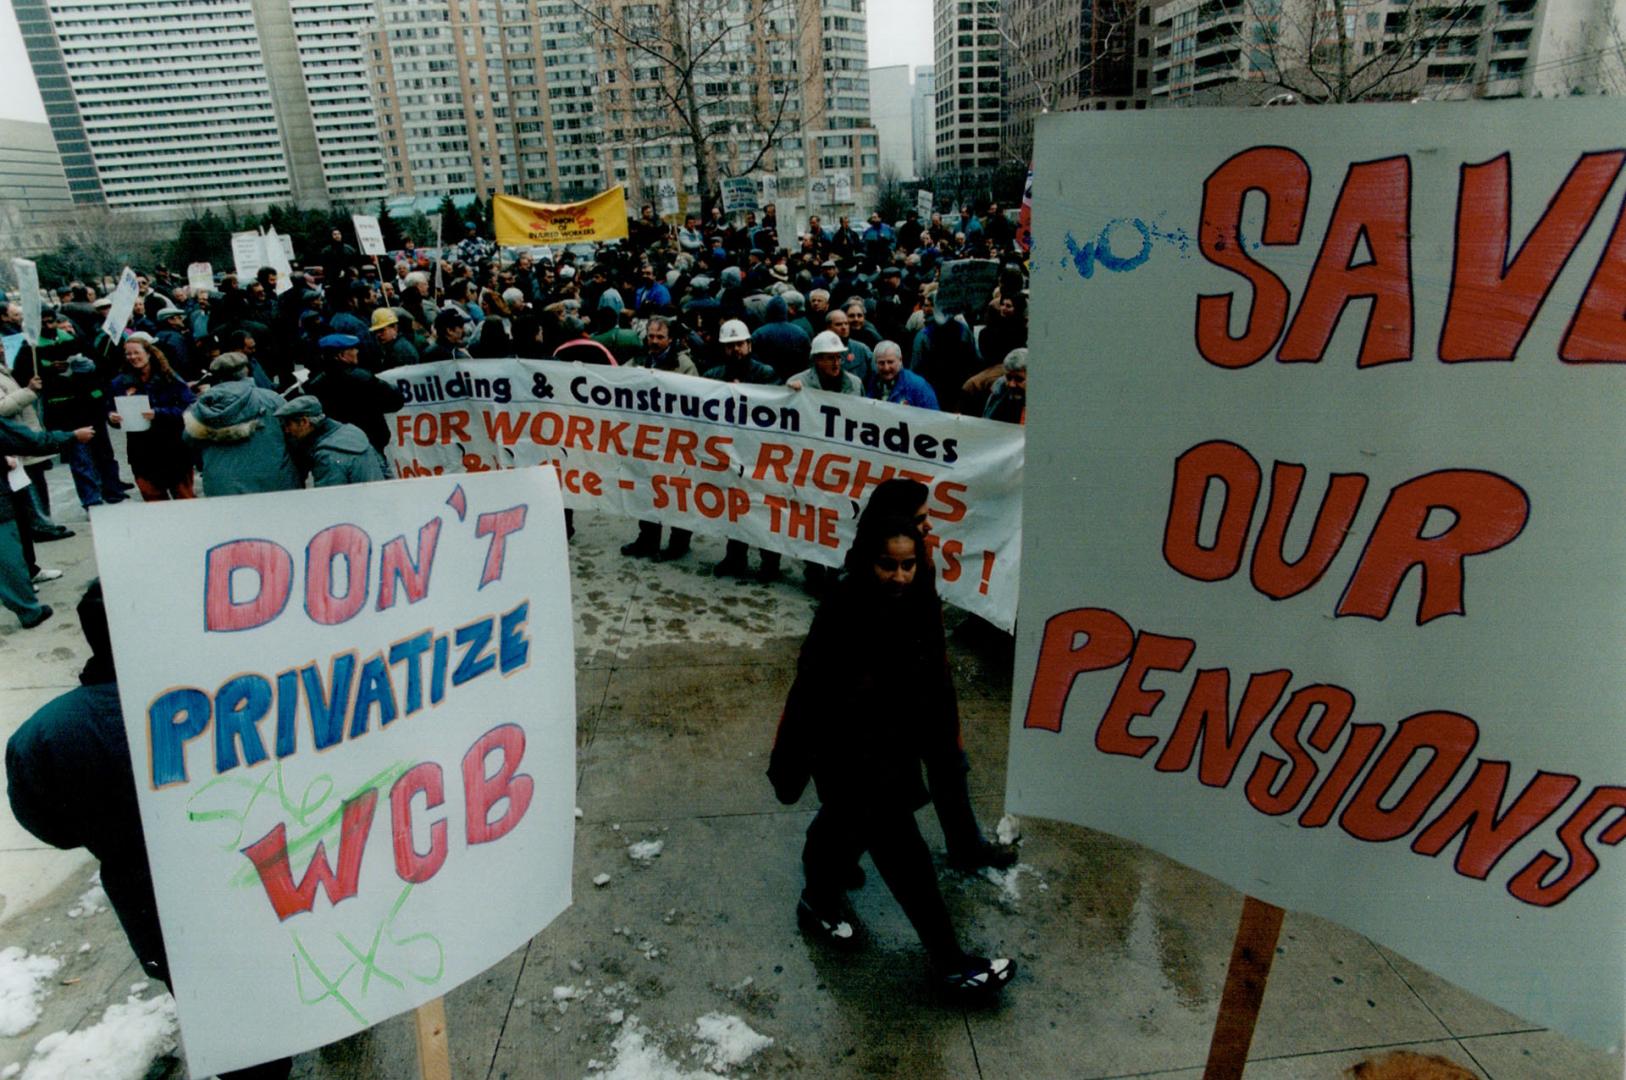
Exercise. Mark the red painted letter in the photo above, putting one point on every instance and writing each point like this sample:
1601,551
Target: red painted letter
424,777
481,791
269,854
271,564
1193,472
1063,658
351,543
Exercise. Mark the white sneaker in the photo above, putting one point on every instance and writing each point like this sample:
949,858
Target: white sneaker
46,574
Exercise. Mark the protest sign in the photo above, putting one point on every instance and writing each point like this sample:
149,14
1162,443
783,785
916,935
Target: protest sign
777,468
369,236
279,257
770,189
247,256
818,193
200,277
966,285
739,194
666,194
841,186
122,305
353,744
521,222
1024,220
28,297
1322,523
924,206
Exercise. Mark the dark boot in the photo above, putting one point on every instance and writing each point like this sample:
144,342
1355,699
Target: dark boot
677,546
648,544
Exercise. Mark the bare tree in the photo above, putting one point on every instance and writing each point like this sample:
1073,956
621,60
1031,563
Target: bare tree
1056,61
1354,50
729,78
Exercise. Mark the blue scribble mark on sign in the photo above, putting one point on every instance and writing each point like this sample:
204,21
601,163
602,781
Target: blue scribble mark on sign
1104,249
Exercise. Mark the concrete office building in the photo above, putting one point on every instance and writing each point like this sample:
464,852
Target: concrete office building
161,106
923,117
891,110
967,48
1195,52
1062,55
34,195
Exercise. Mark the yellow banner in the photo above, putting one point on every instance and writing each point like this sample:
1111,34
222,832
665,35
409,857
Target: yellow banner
519,221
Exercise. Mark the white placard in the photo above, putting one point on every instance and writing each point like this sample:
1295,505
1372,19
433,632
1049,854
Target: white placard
925,206
1320,588
122,305
666,196
17,478
248,255
739,194
369,235
278,255
841,185
770,188
28,297
777,468
355,738
200,277
131,409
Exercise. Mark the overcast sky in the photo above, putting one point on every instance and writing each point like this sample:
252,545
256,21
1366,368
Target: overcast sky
900,32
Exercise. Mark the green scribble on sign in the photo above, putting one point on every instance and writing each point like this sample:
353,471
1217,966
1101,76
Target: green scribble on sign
332,987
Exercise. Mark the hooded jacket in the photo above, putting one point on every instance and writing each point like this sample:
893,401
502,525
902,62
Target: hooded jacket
341,454
238,440
777,343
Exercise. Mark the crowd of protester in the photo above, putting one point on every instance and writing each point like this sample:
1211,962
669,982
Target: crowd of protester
266,384
248,387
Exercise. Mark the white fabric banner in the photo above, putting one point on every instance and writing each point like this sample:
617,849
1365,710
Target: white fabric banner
780,469
353,744
1322,582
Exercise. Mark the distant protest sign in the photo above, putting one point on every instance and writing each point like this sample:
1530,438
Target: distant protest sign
666,195
200,277
739,194
523,223
369,236
924,205
121,304
247,255
279,254
28,297
777,468
353,744
770,189
1321,589
966,285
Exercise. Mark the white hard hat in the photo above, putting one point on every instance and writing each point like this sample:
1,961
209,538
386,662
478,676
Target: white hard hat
733,330
828,341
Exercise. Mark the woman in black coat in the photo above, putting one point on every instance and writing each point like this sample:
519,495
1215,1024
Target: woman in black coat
873,700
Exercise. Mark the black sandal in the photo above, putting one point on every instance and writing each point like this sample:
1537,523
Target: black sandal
978,978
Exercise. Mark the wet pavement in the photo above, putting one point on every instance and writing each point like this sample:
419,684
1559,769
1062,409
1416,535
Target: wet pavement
680,679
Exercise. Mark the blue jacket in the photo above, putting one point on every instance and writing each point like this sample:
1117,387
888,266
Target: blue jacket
777,343
909,389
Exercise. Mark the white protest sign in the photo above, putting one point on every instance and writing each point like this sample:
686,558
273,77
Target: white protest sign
28,297
666,193
778,468
818,192
200,277
132,410
248,255
353,744
278,256
842,185
122,305
1320,594
369,236
770,188
739,194
924,206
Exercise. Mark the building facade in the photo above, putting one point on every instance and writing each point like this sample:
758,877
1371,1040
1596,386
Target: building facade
967,48
1062,55
923,117
34,194
891,109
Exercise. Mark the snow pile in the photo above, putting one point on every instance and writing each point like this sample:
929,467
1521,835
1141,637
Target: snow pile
93,902
122,1047
601,880
21,976
10,1071
645,851
1009,830
727,1040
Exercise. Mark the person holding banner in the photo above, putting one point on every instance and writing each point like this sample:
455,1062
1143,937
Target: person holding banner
159,460
872,702
69,781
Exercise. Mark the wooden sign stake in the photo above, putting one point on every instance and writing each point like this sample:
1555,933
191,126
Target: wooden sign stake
434,1053
1251,956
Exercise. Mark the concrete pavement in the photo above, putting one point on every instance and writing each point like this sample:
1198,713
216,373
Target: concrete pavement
680,679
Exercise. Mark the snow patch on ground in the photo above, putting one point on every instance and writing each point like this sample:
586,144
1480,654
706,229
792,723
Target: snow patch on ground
601,880
724,1042
1010,881
1009,829
727,1040
10,1071
21,987
92,902
645,850
122,1046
